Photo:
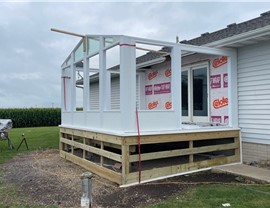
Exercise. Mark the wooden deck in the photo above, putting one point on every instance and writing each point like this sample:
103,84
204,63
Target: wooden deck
116,157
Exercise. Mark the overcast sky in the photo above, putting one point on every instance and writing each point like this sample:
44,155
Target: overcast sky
31,55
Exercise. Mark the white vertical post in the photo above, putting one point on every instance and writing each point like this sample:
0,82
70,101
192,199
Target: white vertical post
73,83
63,90
108,91
128,84
86,81
232,90
102,79
176,84
141,86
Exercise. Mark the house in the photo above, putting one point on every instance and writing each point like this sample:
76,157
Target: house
136,110
251,39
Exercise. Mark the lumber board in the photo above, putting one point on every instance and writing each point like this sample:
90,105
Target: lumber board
94,150
237,150
84,155
93,135
128,144
116,146
191,136
182,152
109,138
125,162
72,146
101,157
171,170
190,155
101,171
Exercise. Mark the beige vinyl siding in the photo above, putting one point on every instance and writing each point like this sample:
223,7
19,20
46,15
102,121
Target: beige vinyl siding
254,93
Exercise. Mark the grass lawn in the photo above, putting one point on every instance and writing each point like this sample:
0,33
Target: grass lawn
203,196
213,196
37,138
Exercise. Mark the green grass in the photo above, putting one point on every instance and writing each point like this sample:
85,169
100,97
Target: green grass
205,196
213,196
37,138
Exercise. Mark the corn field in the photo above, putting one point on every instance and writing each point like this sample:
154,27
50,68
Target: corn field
32,117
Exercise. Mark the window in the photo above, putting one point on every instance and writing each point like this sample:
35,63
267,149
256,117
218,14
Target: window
195,88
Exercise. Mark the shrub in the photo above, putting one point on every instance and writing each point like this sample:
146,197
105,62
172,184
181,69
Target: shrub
32,117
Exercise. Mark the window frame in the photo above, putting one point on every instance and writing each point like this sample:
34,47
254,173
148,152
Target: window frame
191,118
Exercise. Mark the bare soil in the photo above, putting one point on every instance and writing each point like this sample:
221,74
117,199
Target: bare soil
260,164
43,178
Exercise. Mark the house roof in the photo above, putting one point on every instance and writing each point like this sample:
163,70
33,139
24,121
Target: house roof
234,35
231,30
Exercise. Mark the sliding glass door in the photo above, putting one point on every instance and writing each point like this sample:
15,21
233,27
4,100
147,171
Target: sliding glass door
195,87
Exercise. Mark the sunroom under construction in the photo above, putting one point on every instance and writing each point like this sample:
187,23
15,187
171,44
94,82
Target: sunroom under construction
135,110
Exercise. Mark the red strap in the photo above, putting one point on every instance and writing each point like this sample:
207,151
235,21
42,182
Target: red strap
125,44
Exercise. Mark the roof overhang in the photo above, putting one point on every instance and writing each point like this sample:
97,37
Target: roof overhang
244,39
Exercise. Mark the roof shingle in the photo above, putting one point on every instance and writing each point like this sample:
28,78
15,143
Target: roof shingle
231,30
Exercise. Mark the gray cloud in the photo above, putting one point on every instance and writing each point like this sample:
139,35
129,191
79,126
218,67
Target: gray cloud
31,55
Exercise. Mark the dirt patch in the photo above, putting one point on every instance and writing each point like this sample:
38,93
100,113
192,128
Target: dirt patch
260,164
43,178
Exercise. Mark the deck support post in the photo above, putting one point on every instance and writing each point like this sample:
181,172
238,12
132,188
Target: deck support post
101,157
191,155
125,163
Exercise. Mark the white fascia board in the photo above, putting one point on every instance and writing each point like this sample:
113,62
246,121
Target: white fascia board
90,69
241,37
151,62
186,47
153,42
104,36
207,50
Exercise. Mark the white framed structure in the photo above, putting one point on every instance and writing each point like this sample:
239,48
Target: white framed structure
116,123
124,120
236,73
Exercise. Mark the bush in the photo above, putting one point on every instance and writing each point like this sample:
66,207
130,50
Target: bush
32,117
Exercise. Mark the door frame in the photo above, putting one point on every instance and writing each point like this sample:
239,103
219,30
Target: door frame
190,117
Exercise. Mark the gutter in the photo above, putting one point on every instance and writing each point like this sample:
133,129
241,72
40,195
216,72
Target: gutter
240,37
150,63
